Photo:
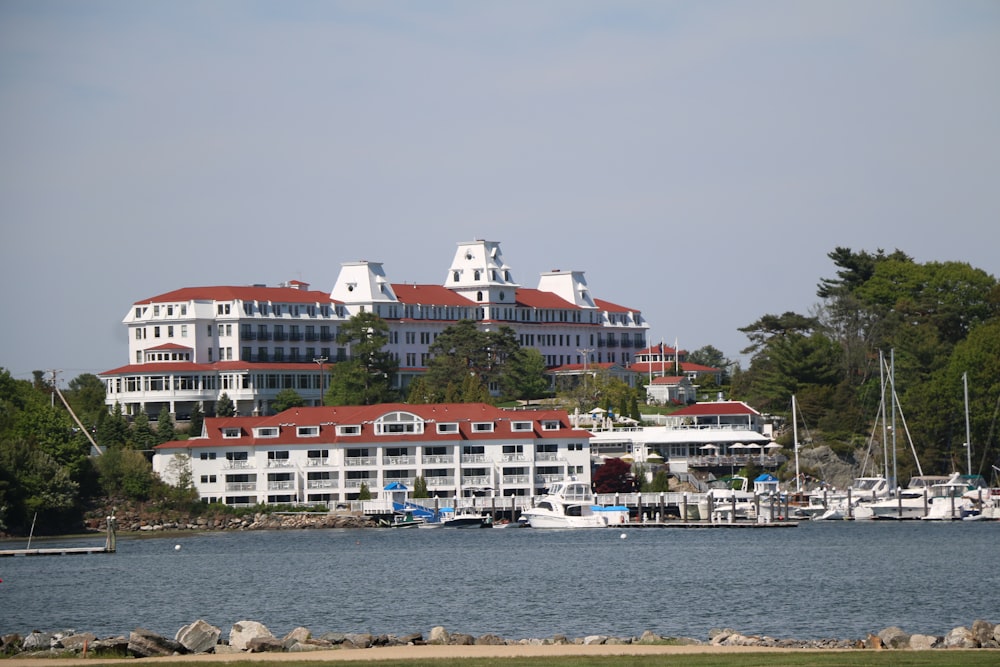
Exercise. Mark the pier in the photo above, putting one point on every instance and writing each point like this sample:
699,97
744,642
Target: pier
110,546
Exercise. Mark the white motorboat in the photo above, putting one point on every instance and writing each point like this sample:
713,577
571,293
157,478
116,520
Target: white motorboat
568,504
728,500
956,498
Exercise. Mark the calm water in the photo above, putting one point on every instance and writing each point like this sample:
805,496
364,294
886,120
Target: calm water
829,579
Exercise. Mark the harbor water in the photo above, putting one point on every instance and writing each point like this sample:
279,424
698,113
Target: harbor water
839,580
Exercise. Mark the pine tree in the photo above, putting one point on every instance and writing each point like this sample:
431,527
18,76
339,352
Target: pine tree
224,407
197,421
165,426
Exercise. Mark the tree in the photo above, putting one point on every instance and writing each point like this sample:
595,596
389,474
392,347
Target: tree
113,430
143,437
86,395
523,377
366,378
124,472
165,426
363,492
660,483
420,487
287,398
462,350
224,407
197,420
614,476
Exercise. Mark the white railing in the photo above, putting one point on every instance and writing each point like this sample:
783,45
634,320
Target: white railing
548,479
356,483
279,463
475,481
315,463
440,481
284,485
515,479
438,459
321,484
360,461
399,460
546,456
474,458
238,465
507,458
241,486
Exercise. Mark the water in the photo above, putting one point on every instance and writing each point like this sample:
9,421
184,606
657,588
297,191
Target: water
821,580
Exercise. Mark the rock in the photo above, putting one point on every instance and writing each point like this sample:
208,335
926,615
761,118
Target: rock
923,642
559,640
650,637
77,642
983,632
144,643
893,637
358,640
265,645
11,643
462,640
415,638
198,637
438,636
873,641
333,637
297,636
490,640
243,631
960,637
37,641
595,639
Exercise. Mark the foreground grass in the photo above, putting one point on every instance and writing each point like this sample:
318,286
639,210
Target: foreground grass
859,658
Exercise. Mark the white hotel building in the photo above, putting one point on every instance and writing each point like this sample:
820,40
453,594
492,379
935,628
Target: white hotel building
319,455
191,345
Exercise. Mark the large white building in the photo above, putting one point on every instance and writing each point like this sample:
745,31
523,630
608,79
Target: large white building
194,344
318,455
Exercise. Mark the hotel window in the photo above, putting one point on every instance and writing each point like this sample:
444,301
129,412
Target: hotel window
156,311
521,426
170,311
138,334
184,309
267,432
208,330
350,429
156,332
170,331
138,356
184,331
229,354
447,427
229,329
307,431
210,456
208,479
138,313
483,427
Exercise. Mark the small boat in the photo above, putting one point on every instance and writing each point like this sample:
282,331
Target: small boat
568,504
406,519
465,517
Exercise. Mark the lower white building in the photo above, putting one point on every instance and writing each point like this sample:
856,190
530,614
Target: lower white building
317,455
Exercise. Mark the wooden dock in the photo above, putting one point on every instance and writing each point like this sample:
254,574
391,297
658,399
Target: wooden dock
110,546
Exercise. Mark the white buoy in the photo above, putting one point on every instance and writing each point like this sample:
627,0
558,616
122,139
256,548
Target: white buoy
177,547
623,536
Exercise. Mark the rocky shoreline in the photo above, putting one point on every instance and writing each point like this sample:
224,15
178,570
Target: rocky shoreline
243,637
135,521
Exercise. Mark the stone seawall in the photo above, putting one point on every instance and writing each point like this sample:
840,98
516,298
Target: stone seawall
201,637
144,521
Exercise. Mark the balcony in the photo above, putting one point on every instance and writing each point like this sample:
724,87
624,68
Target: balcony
241,486
316,463
440,481
326,337
549,479
263,335
358,461
284,485
280,335
311,337
399,460
438,459
356,483
546,456
248,335
475,458
238,465
321,484
295,336
478,480
279,463
515,479
507,458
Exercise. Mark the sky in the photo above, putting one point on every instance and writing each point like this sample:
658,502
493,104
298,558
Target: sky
697,160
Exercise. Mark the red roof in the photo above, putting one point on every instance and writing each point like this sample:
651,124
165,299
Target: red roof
168,346
533,298
669,379
327,418
657,349
429,295
245,293
613,307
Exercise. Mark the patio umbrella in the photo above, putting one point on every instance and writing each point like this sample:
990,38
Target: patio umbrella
627,458
772,445
708,447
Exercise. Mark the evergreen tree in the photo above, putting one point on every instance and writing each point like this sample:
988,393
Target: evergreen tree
224,407
367,377
364,493
113,430
143,437
165,426
197,420
420,487
287,398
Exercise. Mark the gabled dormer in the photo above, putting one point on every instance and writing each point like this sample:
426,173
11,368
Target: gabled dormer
361,283
568,285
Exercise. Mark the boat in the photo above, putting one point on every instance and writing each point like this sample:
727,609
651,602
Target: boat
567,504
727,500
465,517
957,498
405,519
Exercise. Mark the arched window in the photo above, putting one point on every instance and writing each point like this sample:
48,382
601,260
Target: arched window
479,296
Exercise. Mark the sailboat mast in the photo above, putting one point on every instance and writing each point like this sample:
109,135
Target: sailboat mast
892,392
882,414
968,436
795,441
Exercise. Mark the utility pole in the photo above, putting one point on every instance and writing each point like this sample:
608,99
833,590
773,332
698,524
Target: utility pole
52,394
322,388
586,358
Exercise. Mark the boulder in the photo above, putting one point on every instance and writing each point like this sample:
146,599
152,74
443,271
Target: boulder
462,640
872,641
333,637
265,645
243,631
37,641
438,636
490,640
144,643
358,640
893,637
960,637
415,638
198,637
595,639
77,642
650,637
983,632
297,636
923,642
11,642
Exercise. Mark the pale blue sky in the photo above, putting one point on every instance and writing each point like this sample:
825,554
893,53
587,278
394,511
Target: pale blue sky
698,160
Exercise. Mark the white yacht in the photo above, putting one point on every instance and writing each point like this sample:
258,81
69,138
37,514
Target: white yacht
568,504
